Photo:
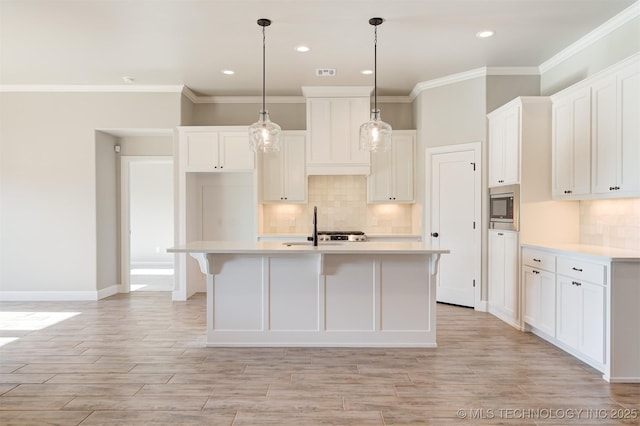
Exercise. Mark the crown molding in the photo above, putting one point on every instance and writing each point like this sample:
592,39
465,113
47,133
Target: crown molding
444,81
74,88
603,30
245,99
512,71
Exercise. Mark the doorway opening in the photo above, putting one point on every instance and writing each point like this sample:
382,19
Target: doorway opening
147,223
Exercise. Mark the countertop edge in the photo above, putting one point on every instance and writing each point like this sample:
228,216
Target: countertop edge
610,254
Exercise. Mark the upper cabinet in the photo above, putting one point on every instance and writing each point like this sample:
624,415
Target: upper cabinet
504,145
283,173
334,116
215,149
571,156
596,135
392,172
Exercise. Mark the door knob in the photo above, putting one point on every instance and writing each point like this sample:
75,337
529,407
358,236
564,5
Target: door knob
434,234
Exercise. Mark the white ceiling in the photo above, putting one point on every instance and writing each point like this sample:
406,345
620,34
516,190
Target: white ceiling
184,42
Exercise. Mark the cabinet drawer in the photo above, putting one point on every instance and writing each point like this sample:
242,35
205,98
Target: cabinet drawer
582,270
539,259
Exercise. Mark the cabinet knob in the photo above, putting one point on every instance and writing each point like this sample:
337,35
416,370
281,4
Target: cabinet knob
576,283
434,234
500,233
500,181
568,191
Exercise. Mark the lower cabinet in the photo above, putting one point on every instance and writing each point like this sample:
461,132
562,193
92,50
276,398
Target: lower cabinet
568,300
539,299
581,317
503,275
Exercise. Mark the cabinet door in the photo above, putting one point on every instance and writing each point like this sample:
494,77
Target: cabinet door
294,177
547,313
531,284
511,273
380,181
604,144
496,150
235,152
496,268
629,129
591,338
572,144
403,155
568,311
272,176
511,156
201,151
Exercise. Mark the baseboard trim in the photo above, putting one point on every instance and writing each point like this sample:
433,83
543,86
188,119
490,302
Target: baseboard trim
56,296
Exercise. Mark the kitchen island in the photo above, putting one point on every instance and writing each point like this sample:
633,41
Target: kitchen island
336,294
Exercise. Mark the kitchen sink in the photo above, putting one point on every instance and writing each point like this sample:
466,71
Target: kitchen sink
310,243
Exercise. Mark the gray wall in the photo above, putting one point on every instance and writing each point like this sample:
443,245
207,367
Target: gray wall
616,46
48,178
290,116
107,259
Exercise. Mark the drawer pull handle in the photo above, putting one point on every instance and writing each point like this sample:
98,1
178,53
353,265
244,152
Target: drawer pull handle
535,272
536,260
577,269
576,283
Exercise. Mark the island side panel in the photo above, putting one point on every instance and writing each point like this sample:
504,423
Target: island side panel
349,292
293,302
406,293
237,293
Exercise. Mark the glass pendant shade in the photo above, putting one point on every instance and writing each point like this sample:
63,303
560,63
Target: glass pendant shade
264,134
375,134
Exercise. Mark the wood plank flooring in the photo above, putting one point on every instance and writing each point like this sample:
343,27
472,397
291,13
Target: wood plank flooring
140,359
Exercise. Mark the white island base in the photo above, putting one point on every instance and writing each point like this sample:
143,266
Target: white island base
318,298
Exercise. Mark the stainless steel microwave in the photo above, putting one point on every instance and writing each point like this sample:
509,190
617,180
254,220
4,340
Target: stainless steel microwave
503,207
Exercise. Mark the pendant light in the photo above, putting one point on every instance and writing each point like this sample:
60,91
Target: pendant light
264,135
375,134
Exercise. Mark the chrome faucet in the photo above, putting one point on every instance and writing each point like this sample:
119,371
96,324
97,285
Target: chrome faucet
315,226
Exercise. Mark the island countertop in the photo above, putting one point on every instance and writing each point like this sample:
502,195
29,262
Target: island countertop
327,247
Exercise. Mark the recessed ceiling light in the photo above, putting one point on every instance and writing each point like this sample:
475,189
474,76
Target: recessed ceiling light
228,72
366,72
484,34
302,49
128,80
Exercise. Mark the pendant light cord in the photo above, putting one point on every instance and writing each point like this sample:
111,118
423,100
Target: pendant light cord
375,68
263,69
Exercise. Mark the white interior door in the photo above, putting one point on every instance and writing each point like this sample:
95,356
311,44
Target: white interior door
455,221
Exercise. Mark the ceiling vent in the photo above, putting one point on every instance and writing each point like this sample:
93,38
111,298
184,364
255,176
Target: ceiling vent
325,72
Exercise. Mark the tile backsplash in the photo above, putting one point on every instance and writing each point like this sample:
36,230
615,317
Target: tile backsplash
342,206
613,223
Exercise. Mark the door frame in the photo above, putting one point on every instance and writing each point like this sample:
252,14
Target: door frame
125,212
476,147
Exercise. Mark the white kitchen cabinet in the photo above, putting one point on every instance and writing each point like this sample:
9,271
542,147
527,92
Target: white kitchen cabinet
203,149
581,318
503,275
334,116
616,132
392,172
595,135
539,282
596,304
283,173
571,144
504,144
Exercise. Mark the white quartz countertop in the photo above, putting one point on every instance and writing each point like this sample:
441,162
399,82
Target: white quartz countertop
601,252
331,247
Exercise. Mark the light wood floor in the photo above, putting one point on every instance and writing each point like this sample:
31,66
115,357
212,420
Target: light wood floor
139,359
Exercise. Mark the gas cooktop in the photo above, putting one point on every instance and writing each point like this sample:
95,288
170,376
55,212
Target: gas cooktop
340,236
